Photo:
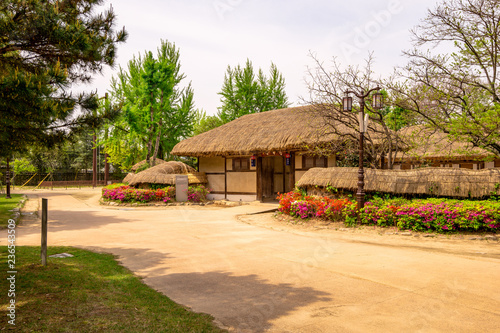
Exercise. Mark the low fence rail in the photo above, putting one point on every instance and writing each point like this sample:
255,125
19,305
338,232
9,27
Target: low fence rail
59,179
75,183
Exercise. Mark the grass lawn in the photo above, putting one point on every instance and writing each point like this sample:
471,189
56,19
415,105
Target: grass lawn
6,205
89,293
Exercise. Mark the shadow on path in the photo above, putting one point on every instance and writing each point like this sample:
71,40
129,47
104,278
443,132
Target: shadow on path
246,303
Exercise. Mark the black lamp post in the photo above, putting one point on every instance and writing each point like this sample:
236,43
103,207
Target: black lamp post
363,125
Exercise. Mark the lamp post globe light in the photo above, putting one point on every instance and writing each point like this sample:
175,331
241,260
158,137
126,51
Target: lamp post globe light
363,125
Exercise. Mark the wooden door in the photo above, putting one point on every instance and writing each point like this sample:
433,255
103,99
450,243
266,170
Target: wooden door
267,178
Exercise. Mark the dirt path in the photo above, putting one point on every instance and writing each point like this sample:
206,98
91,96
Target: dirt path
256,274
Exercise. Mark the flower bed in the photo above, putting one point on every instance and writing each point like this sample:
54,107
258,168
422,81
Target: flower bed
303,206
449,215
124,193
442,215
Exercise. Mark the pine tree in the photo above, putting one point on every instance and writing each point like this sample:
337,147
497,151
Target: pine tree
45,47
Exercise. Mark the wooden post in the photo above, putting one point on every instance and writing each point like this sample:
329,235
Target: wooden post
44,232
260,196
106,169
225,177
284,173
291,179
94,160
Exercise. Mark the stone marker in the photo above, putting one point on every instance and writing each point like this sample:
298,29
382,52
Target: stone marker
181,187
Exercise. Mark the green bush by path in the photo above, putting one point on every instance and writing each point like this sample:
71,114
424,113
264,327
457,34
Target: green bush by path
90,293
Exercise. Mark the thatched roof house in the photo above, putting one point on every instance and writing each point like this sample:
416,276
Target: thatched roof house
261,154
136,166
430,147
282,130
165,173
450,182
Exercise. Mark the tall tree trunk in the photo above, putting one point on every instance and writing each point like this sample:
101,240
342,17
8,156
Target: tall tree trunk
160,123
150,134
157,145
389,155
7,180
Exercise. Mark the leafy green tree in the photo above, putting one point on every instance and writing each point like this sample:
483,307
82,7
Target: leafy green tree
243,92
21,165
45,47
396,117
204,122
72,156
456,92
156,112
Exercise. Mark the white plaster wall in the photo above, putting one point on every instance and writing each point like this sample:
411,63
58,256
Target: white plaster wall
215,197
332,161
242,182
216,182
298,175
211,164
298,162
243,197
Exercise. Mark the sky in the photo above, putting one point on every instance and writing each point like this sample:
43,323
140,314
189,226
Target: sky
214,34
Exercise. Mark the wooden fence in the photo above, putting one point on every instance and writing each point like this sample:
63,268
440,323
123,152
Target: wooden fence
61,179
75,183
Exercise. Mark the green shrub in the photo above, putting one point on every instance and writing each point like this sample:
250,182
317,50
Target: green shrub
198,193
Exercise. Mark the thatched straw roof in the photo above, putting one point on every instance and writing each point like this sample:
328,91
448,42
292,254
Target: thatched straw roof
128,178
451,182
141,163
165,173
288,129
425,143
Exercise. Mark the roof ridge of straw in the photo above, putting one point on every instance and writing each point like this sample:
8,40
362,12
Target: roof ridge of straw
165,173
141,163
276,130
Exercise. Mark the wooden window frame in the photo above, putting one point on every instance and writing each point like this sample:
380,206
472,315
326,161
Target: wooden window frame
237,164
315,161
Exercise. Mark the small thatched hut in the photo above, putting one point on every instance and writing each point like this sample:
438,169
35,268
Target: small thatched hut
449,182
165,173
136,166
